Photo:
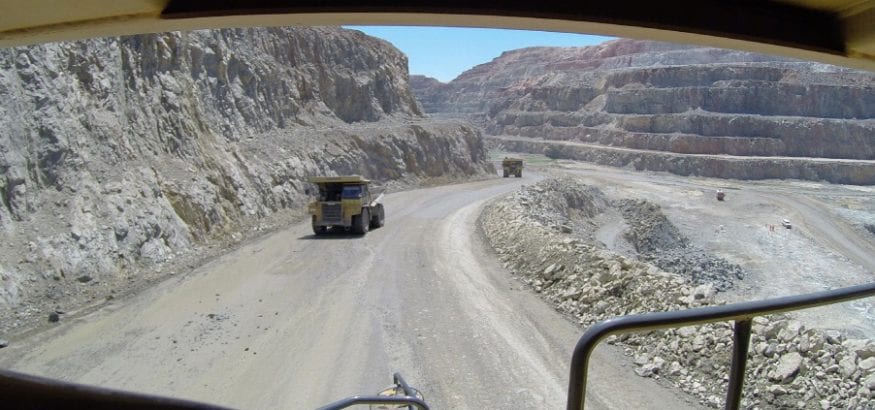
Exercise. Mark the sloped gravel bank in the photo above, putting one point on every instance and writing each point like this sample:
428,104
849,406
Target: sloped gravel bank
789,366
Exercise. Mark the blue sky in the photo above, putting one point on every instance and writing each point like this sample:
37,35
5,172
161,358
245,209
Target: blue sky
445,52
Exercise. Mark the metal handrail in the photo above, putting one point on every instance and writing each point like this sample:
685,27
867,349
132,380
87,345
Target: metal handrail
410,399
376,400
741,313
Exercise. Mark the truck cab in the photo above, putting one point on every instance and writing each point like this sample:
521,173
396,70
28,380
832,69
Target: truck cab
345,202
512,166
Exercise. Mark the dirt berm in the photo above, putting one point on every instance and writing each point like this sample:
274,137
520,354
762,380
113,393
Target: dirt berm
789,365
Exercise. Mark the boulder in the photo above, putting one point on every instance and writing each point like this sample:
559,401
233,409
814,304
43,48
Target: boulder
789,330
866,365
847,365
863,348
789,365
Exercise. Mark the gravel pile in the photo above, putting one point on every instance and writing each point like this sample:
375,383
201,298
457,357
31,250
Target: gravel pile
659,242
564,206
789,365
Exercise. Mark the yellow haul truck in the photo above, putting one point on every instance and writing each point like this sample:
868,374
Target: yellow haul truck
512,166
345,202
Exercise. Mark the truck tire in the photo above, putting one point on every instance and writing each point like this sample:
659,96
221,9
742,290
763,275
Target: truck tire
505,174
378,219
318,230
519,174
361,222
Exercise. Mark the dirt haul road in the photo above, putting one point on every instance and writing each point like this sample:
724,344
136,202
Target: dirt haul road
292,321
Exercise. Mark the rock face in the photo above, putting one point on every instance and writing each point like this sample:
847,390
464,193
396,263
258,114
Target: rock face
661,97
123,153
429,92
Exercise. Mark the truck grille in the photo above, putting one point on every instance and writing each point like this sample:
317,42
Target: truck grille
331,213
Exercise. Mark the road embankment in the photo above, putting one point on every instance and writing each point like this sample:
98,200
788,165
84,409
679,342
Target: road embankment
789,364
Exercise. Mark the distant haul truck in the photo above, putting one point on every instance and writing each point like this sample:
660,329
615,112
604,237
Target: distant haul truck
345,202
721,195
512,166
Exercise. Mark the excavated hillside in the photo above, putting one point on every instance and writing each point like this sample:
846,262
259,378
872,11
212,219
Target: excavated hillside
122,157
685,100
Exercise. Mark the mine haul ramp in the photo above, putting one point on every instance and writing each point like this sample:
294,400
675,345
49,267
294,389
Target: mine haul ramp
346,202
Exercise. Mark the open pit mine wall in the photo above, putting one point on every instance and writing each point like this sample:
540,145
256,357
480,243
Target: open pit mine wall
124,152
833,171
737,110
668,98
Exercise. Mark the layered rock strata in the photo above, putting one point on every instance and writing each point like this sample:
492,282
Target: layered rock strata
669,98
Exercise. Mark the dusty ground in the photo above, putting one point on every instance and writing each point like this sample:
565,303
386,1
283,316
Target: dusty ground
71,297
828,246
548,235
291,321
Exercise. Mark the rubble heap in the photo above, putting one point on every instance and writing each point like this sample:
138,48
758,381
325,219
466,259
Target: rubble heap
659,242
789,365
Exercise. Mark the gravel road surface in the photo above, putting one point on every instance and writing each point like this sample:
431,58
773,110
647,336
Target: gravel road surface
295,321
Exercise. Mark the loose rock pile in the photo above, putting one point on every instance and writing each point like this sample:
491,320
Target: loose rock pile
564,207
789,365
659,242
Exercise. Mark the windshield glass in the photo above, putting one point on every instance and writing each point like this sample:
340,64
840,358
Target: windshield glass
161,231
352,192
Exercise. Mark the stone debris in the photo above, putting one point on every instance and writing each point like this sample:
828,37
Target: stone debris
659,242
789,365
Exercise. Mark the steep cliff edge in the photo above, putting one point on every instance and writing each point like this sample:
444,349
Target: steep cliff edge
119,155
670,98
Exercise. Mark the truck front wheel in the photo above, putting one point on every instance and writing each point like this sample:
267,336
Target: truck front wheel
361,222
317,229
378,219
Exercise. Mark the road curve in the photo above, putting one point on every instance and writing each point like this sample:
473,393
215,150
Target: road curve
818,222
295,321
